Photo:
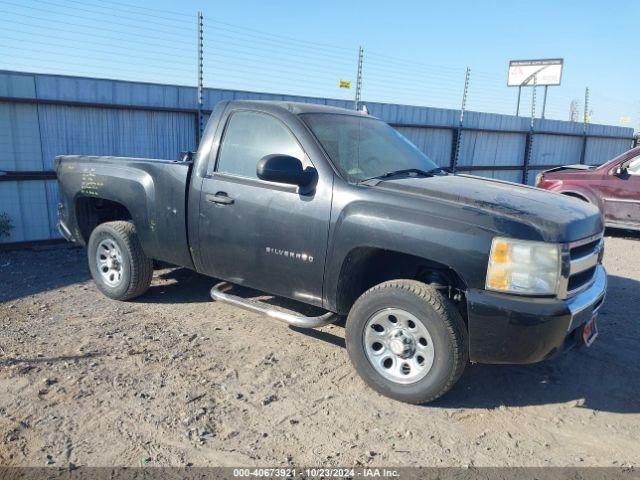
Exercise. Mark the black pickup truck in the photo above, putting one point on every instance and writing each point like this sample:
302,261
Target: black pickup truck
336,209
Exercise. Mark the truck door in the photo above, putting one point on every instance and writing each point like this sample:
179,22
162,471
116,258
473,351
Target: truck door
621,194
261,234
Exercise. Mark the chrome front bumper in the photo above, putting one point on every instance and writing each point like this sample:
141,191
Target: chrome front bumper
587,303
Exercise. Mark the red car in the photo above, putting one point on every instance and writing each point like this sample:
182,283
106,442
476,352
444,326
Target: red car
614,187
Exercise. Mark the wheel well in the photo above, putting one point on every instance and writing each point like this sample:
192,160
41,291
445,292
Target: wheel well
576,195
91,212
365,267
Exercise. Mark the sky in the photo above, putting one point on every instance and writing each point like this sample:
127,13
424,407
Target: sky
415,52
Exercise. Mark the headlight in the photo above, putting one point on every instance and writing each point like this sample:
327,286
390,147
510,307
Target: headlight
524,267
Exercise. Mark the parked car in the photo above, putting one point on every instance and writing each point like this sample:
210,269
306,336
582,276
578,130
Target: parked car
336,209
614,187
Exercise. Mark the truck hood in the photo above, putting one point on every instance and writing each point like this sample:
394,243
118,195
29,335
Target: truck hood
507,208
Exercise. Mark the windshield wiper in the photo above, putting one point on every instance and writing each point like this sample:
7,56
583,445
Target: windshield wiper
417,171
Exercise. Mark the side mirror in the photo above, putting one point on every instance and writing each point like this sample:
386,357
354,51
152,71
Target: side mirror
284,169
620,171
186,156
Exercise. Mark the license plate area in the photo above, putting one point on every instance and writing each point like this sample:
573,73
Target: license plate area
590,331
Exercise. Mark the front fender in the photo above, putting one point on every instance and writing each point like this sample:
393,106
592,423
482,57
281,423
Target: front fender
461,246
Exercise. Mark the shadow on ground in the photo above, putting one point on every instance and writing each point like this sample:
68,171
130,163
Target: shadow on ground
6,362
621,233
179,285
186,286
30,271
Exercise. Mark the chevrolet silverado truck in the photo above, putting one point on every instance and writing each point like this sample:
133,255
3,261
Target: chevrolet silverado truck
335,209
614,187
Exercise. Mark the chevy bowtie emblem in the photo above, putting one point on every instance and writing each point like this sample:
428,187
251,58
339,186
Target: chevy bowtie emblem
303,257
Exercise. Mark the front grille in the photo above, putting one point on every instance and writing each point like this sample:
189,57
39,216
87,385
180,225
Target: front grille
583,257
577,280
586,249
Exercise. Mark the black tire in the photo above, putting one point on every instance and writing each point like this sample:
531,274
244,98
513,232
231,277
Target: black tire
443,322
136,267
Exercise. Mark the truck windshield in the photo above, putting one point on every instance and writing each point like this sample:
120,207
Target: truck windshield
363,147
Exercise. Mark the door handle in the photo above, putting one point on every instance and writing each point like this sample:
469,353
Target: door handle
220,198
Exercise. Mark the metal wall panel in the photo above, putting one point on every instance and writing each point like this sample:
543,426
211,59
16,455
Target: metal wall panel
20,148
410,115
507,175
13,84
32,135
212,96
101,131
85,89
561,126
491,148
436,143
93,90
599,150
53,198
555,150
26,203
494,121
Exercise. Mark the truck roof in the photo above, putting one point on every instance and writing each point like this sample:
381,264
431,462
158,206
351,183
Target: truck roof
298,107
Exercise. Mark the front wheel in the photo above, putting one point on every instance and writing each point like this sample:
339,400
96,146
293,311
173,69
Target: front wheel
118,265
407,341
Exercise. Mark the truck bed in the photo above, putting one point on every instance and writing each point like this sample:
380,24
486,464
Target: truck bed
153,191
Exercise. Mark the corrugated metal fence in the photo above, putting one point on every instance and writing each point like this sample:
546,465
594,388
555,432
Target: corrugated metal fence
42,116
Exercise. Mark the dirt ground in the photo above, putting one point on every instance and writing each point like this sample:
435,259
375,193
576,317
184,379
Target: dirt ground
175,379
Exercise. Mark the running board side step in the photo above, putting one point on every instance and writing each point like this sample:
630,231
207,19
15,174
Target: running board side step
218,293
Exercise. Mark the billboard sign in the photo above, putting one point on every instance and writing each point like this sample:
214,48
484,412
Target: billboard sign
545,72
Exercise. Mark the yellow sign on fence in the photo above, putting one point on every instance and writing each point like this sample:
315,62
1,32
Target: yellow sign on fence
344,83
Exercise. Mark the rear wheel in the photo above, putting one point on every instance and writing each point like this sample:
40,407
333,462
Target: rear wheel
117,262
407,341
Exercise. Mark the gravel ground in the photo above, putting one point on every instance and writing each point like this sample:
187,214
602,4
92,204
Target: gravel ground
174,379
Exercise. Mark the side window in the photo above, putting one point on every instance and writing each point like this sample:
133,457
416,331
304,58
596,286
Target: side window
249,136
634,166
